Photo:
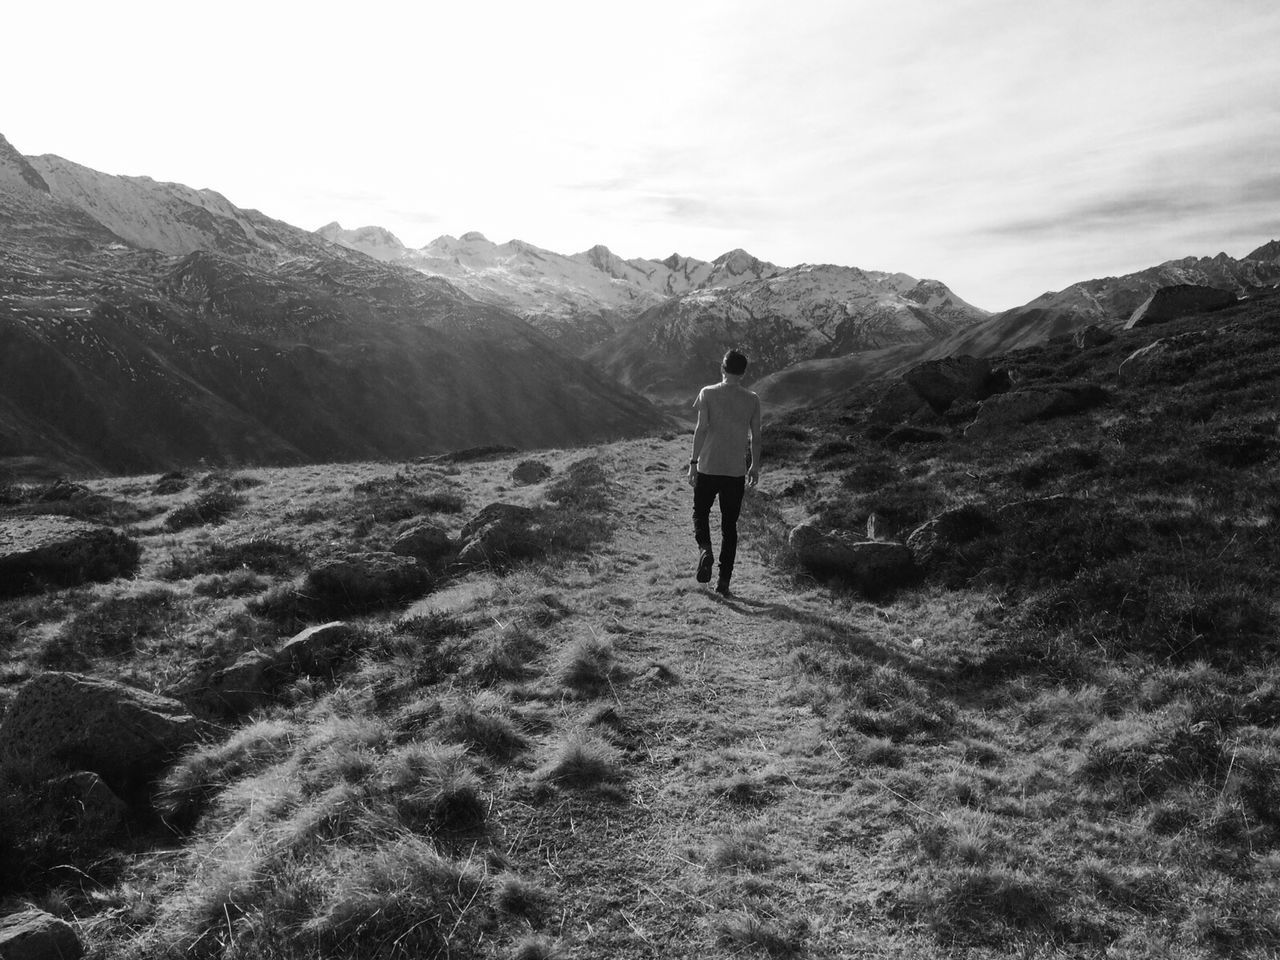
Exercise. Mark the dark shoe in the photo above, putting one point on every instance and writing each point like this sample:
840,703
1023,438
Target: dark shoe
705,563
722,588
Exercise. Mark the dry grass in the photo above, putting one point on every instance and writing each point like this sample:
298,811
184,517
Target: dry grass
1063,743
588,665
582,760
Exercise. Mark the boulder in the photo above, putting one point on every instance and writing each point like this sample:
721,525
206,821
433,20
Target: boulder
423,541
366,580
98,809
315,650
236,689
124,735
1033,403
942,382
36,935
898,403
1094,335
500,531
40,550
530,471
505,513
1142,363
937,539
1179,300
871,565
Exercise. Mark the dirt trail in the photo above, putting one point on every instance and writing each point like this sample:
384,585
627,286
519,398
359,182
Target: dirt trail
696,863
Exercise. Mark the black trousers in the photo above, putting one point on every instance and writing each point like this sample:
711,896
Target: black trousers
707,487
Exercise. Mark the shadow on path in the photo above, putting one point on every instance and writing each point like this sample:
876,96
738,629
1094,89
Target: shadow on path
861,641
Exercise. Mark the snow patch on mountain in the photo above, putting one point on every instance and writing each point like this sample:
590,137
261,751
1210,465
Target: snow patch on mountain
378,242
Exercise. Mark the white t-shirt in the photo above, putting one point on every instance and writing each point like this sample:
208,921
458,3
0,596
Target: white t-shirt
728,409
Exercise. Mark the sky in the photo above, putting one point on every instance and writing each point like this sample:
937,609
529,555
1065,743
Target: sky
1004,147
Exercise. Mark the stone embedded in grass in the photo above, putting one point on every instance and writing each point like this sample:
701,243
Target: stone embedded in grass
1142,364
243,686
123,734
941,383
896,404
500,532
423,541
1094,335
530,471
315,650
365,581
1179,300
870,565
936,539
40,550
1040,402
36,935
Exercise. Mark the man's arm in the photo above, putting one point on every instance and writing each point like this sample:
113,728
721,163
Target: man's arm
699,438
753,475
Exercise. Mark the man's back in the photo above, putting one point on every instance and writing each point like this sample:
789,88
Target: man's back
730,410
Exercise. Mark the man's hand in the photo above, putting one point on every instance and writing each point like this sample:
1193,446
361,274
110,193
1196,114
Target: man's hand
693,475
753,477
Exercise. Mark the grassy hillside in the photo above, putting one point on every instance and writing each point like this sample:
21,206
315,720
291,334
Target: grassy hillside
1059,740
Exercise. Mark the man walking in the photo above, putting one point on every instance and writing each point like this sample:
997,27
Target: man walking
727,412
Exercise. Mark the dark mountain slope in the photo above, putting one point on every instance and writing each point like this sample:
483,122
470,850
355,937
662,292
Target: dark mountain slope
1108,302
280,348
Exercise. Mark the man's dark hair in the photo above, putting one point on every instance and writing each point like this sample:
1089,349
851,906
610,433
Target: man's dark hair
734,363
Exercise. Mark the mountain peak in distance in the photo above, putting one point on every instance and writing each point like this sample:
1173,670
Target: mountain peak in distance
1268,251
377,242
12,163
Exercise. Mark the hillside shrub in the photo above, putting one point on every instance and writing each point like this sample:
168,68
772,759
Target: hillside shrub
265,555
869,475
785,443
404,496
585,484
213,507
114,627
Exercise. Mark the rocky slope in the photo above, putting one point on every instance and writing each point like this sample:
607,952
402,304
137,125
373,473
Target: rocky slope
799,314
1107,302
653,323
579,300
144,325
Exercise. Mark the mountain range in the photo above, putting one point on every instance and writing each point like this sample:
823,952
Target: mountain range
659,326
146,324
1106,302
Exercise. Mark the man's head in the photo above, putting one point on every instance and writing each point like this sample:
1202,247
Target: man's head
734,363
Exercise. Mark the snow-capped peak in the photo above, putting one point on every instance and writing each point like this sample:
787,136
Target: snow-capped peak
377,242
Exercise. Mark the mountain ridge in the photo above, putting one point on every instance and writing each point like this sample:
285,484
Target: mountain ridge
148,326
1106,301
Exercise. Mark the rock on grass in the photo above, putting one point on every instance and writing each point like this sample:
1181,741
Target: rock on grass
123,734
51,550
